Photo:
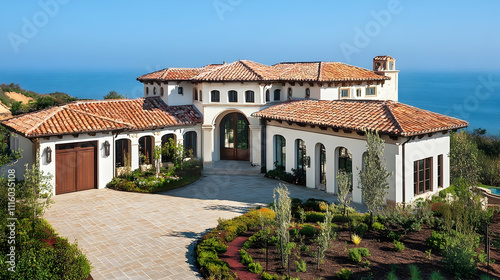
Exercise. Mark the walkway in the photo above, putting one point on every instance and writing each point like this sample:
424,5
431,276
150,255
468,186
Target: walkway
152,236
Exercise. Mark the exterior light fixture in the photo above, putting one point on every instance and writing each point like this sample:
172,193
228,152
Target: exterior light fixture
106,148
48,154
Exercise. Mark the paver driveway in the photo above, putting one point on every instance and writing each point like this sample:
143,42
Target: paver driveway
152,236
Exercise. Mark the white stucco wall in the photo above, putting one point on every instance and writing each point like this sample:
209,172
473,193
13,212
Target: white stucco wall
16,142
417,149
332,141
105,165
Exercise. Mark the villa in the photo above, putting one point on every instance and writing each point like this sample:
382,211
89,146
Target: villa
308,116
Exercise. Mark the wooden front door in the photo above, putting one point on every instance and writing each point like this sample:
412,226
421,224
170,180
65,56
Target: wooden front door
76,167
234,144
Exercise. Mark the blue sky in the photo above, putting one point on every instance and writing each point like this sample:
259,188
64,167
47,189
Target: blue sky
421,35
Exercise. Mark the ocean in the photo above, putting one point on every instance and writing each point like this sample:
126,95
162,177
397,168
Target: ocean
471,96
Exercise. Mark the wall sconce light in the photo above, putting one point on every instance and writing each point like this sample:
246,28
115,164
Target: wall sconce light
308,161
107,148
48,155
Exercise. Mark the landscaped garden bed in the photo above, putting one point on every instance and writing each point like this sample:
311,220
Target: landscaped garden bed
167,179
426,241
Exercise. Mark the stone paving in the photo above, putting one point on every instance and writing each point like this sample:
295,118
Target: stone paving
152,236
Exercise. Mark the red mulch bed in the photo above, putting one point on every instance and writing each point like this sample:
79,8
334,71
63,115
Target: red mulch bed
382,260
232,257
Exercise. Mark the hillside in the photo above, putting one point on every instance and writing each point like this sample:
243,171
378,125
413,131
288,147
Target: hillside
15,100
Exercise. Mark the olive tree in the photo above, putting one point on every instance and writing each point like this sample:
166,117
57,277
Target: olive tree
464,161
373,176
282,206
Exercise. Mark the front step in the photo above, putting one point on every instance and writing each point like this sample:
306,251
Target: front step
230,167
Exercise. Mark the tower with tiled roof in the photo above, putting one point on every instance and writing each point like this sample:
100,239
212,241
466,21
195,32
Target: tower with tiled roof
386,65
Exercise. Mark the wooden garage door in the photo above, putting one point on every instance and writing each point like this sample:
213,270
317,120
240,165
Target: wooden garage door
76,167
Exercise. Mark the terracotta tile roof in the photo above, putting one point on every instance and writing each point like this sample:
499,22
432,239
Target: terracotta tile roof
103,115
246,70
387,117
242,70
383,57
172,74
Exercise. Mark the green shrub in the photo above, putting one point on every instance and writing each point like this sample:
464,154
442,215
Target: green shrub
460,258
267,276
308,231
361,229
314,217
212,244
246,259
364,252
42,254
294,233
394,235
435,275
344,274
303,248
398,246
301,266
219,271
255,268
414,272
392,275
378,226
259,239
357,254
436,240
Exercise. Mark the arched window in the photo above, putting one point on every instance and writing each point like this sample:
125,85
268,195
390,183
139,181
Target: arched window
345,162
215,96
167,143
268,96
147,90
201,95
279,152
249,96
190,144
146,150
154,91
195,94
232,96
322,165
308,92
300,161
161,91
277,94
290,93
122,153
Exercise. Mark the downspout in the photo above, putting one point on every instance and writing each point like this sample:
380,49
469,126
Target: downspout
404,172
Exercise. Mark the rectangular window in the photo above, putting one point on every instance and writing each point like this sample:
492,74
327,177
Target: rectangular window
345,93
180,90
277,95
215,96
358,92
371,91
440,171
233,96
249,96
422,176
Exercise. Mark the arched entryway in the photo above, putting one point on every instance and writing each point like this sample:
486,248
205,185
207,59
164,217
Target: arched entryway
234,135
